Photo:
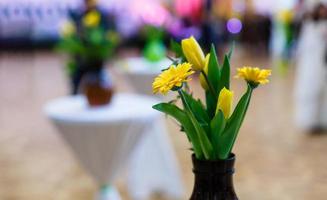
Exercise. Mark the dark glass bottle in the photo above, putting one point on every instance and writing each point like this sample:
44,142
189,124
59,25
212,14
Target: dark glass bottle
213,179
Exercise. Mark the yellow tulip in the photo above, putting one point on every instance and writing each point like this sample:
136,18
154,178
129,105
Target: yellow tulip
203,81
193,53
92,19
225,102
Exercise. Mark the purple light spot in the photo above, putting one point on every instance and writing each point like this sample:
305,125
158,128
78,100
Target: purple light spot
234,25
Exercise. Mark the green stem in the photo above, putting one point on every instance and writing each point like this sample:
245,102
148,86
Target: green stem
250,90
184,100
171,59
205,149
211,89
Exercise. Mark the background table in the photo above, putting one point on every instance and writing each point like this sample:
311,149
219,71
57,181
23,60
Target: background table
140,73
103,138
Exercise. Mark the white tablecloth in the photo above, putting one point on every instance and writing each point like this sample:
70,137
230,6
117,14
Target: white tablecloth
103,138
162,170
156,145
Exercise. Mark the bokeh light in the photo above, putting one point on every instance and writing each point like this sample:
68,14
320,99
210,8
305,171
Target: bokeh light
234,25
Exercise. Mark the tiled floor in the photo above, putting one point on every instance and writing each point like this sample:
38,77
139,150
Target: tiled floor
274,160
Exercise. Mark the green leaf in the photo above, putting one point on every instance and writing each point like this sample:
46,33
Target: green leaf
198,108
176,48
96,36
234,124
213,69
225,75
213,77
70,45
230,53
211,104
186,123
199,112
217,125
71,67
204,141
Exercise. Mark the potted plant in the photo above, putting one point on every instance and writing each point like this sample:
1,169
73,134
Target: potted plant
154,49
211,128
89,43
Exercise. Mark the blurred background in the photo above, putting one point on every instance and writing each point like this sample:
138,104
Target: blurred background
281,150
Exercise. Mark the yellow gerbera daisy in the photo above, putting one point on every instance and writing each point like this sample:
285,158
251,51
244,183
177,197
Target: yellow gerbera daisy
254,75
173,77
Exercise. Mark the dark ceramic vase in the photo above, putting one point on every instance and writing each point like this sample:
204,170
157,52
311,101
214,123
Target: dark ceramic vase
97,87
213,179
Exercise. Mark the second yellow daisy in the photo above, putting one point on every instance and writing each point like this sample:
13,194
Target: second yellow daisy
254,75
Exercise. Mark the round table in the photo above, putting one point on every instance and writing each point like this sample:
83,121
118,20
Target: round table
103,138
156,146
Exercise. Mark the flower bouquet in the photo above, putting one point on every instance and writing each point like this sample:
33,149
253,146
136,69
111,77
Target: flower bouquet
89,42
211,128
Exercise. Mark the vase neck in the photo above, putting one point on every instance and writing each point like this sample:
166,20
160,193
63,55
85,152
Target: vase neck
211,181
215,166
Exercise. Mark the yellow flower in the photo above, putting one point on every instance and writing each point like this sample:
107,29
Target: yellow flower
225,102
92,19
285,16
254,75
193,53
172,78
203,81
67,29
